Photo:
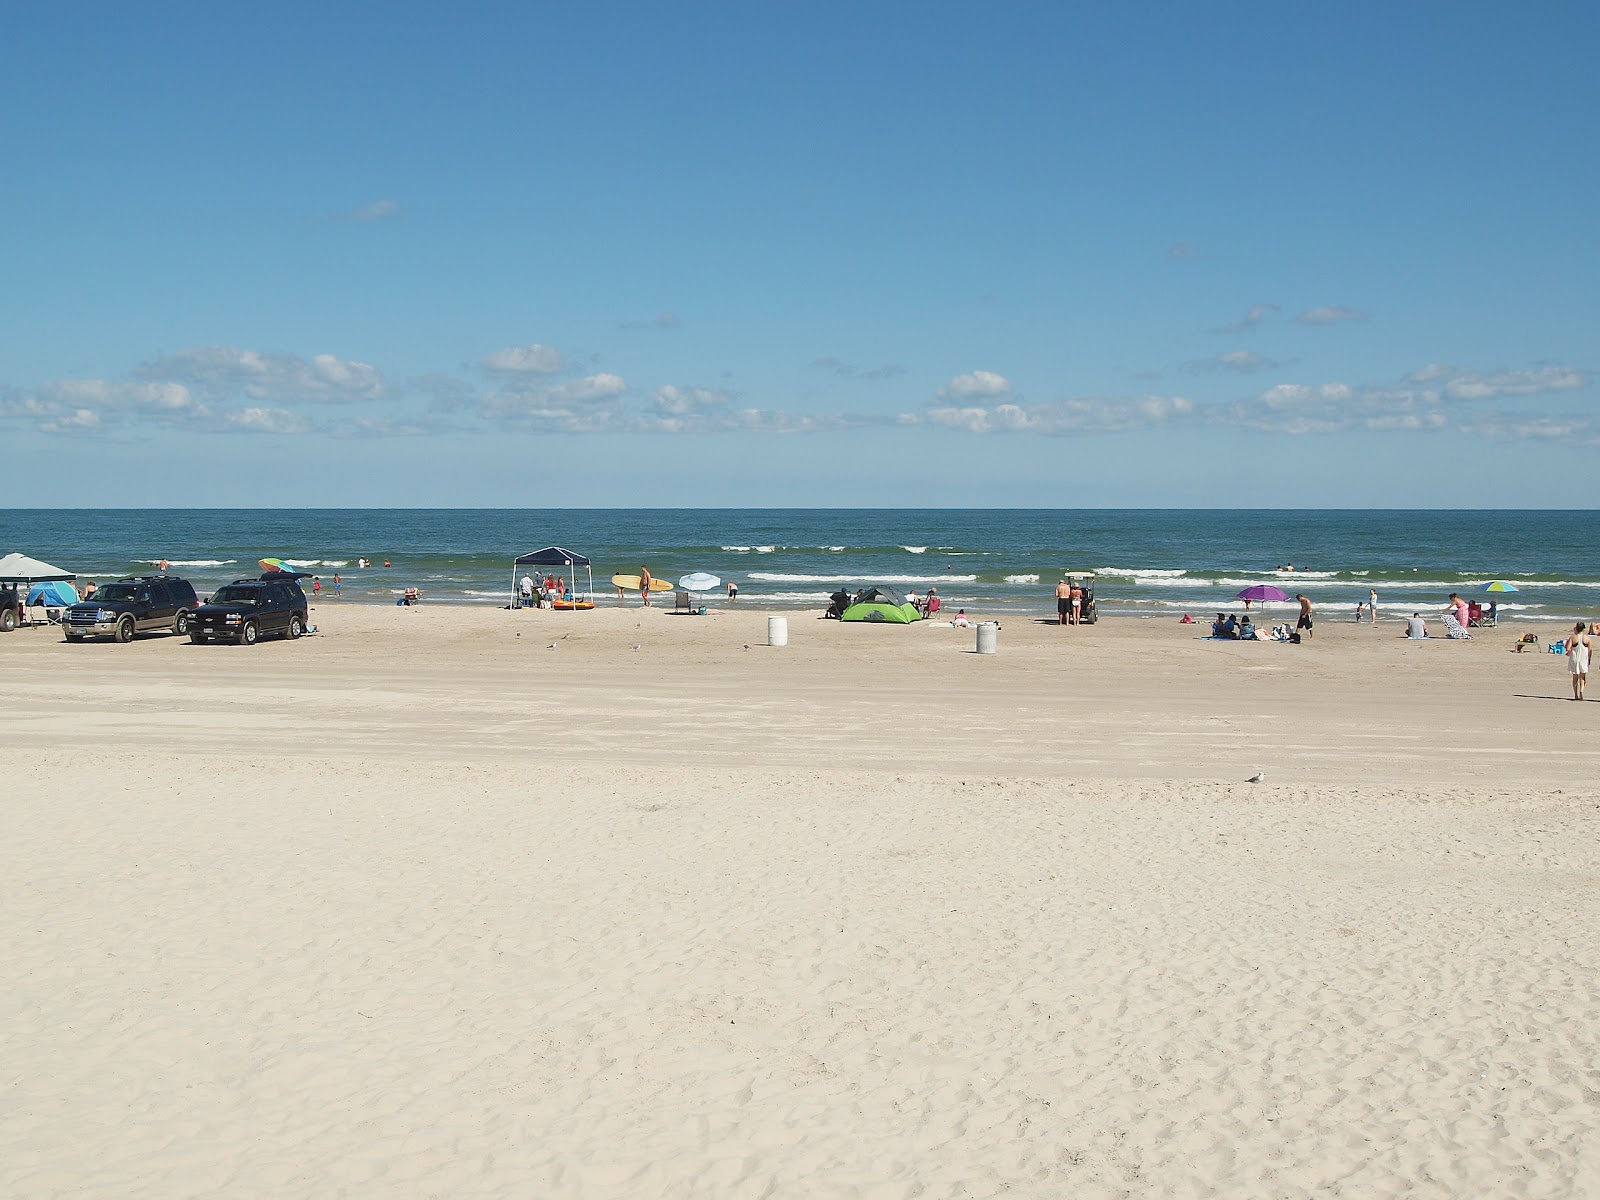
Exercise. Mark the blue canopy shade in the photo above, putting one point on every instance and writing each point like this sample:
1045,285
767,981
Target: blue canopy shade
55,594
552,556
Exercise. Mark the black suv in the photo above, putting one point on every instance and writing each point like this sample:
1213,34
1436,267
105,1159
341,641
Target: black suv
129,606
10,609
247,610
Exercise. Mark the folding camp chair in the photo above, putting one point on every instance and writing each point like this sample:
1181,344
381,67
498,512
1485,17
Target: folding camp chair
685,603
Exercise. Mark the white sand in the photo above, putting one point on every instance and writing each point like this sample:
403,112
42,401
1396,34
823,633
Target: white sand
421,907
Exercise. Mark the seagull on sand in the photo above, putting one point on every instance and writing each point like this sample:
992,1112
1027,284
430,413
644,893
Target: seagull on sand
1258,777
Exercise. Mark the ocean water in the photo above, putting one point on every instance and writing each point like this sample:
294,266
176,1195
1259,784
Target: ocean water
1148,562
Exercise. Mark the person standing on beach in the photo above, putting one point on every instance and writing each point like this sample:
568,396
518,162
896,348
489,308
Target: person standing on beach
1063,601
1372,604
1578,659
1305,617
316,587
644,585
1077,604
337,584
733,591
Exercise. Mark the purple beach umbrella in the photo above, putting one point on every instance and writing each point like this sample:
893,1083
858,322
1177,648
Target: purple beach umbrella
1262,591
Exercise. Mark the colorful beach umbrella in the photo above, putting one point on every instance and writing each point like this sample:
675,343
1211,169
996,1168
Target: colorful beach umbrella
1262,591
274,564
1498,585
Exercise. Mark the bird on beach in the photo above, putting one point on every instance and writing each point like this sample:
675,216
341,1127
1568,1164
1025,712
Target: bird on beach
1258,777
552,645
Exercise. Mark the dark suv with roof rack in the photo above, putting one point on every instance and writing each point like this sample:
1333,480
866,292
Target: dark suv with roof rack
247,610
138,604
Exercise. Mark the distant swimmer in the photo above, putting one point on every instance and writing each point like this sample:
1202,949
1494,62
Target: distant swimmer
164,565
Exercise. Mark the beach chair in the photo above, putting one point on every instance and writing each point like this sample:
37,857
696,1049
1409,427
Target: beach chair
1475,615
685,603
1454,629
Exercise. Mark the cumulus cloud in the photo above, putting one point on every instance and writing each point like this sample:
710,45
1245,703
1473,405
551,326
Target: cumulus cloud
221,373
679,401
1472,385
265,420
1435,397
532,359
1330,315
1240,362
976,385
1250,322
1089,415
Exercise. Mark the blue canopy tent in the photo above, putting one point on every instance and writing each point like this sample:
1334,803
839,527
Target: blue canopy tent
554,556
55,594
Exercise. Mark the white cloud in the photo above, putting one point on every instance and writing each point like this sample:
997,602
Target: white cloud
679,401
1471,385
1330,315
265,420
378,210
221,373
1090,415
1250,321
532,359
1239,362
976,385
850,370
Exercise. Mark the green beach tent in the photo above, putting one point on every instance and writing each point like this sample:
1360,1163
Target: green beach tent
881,604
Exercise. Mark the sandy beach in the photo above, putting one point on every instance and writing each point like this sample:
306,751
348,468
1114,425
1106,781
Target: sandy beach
458,901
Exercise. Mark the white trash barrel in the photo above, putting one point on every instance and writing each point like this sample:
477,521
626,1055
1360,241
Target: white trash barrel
988,637
777,631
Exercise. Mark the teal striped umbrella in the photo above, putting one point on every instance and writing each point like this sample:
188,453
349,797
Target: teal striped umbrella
1498,585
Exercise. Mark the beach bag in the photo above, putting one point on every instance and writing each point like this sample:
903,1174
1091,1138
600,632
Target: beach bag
1294,638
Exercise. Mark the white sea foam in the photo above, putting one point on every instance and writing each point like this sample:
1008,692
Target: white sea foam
194,562
915,549
1022,579
778,577
1297,573
1141,572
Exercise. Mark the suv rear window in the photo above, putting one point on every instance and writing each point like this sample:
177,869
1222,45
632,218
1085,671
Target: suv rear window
237,595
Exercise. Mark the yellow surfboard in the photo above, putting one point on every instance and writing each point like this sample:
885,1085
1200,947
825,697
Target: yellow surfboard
630,583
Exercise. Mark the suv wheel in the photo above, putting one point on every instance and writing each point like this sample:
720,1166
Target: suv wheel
249,635
180,623
8,619
296,626
125,629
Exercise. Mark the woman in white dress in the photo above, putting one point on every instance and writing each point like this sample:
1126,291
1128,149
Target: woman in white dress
1578,659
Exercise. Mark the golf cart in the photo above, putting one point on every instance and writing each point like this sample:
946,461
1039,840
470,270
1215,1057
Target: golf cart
1087,613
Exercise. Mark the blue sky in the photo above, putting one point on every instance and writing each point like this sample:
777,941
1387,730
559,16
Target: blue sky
800,255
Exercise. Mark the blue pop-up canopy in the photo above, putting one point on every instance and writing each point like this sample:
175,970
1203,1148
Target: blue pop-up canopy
55,594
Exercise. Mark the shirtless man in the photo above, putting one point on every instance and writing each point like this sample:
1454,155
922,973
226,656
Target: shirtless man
1063,602
644,585
1305,617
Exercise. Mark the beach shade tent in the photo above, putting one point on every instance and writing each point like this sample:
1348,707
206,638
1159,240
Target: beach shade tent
19,568
55,593
554,556
879,603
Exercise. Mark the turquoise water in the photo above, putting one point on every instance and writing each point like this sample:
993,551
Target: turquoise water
1149,562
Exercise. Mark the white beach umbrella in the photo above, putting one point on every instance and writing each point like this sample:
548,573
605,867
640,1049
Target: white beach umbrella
700,581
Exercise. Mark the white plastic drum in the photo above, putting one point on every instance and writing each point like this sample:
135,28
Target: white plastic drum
988,637
777,631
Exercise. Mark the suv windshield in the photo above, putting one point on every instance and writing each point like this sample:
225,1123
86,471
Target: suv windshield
117,591
237,595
